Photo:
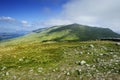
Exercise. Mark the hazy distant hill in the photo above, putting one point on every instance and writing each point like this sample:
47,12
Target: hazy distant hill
72,32
9,35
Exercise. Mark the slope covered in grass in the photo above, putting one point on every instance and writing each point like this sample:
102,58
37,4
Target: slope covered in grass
60,61
73,32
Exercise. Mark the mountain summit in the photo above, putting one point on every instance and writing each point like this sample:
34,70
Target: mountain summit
75,32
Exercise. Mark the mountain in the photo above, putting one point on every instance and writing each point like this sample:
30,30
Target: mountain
72,32
76,32
39,30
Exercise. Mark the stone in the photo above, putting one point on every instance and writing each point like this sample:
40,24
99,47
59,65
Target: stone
83,62
68,73
118,44
20,59
7,73
91,45
4,68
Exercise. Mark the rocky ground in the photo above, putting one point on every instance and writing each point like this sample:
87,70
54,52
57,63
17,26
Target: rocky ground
96,60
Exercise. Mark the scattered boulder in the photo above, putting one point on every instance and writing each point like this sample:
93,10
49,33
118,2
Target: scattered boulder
21,59
91,45
118,44
81,52
14,77
4,68
78,71
68,73
80,62
83,62
53,70
7,73
40,69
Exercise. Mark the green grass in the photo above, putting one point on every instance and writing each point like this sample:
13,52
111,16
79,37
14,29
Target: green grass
60,61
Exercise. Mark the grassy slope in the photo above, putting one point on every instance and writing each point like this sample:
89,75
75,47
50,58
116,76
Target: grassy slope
74,32
60,61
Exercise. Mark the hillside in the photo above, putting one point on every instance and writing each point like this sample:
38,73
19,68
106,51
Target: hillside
72,32
76,32
60,61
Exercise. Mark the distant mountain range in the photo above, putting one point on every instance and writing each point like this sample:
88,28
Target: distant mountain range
72,32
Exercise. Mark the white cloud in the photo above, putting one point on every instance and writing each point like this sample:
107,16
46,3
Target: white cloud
104,13
56,21
9,24
25,23
3,18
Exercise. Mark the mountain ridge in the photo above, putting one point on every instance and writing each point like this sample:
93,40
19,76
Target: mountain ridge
71,32
81,32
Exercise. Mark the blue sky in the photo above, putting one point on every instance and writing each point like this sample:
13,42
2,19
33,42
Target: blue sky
33,14
31,10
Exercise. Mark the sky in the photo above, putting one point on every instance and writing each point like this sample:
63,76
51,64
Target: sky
33,14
